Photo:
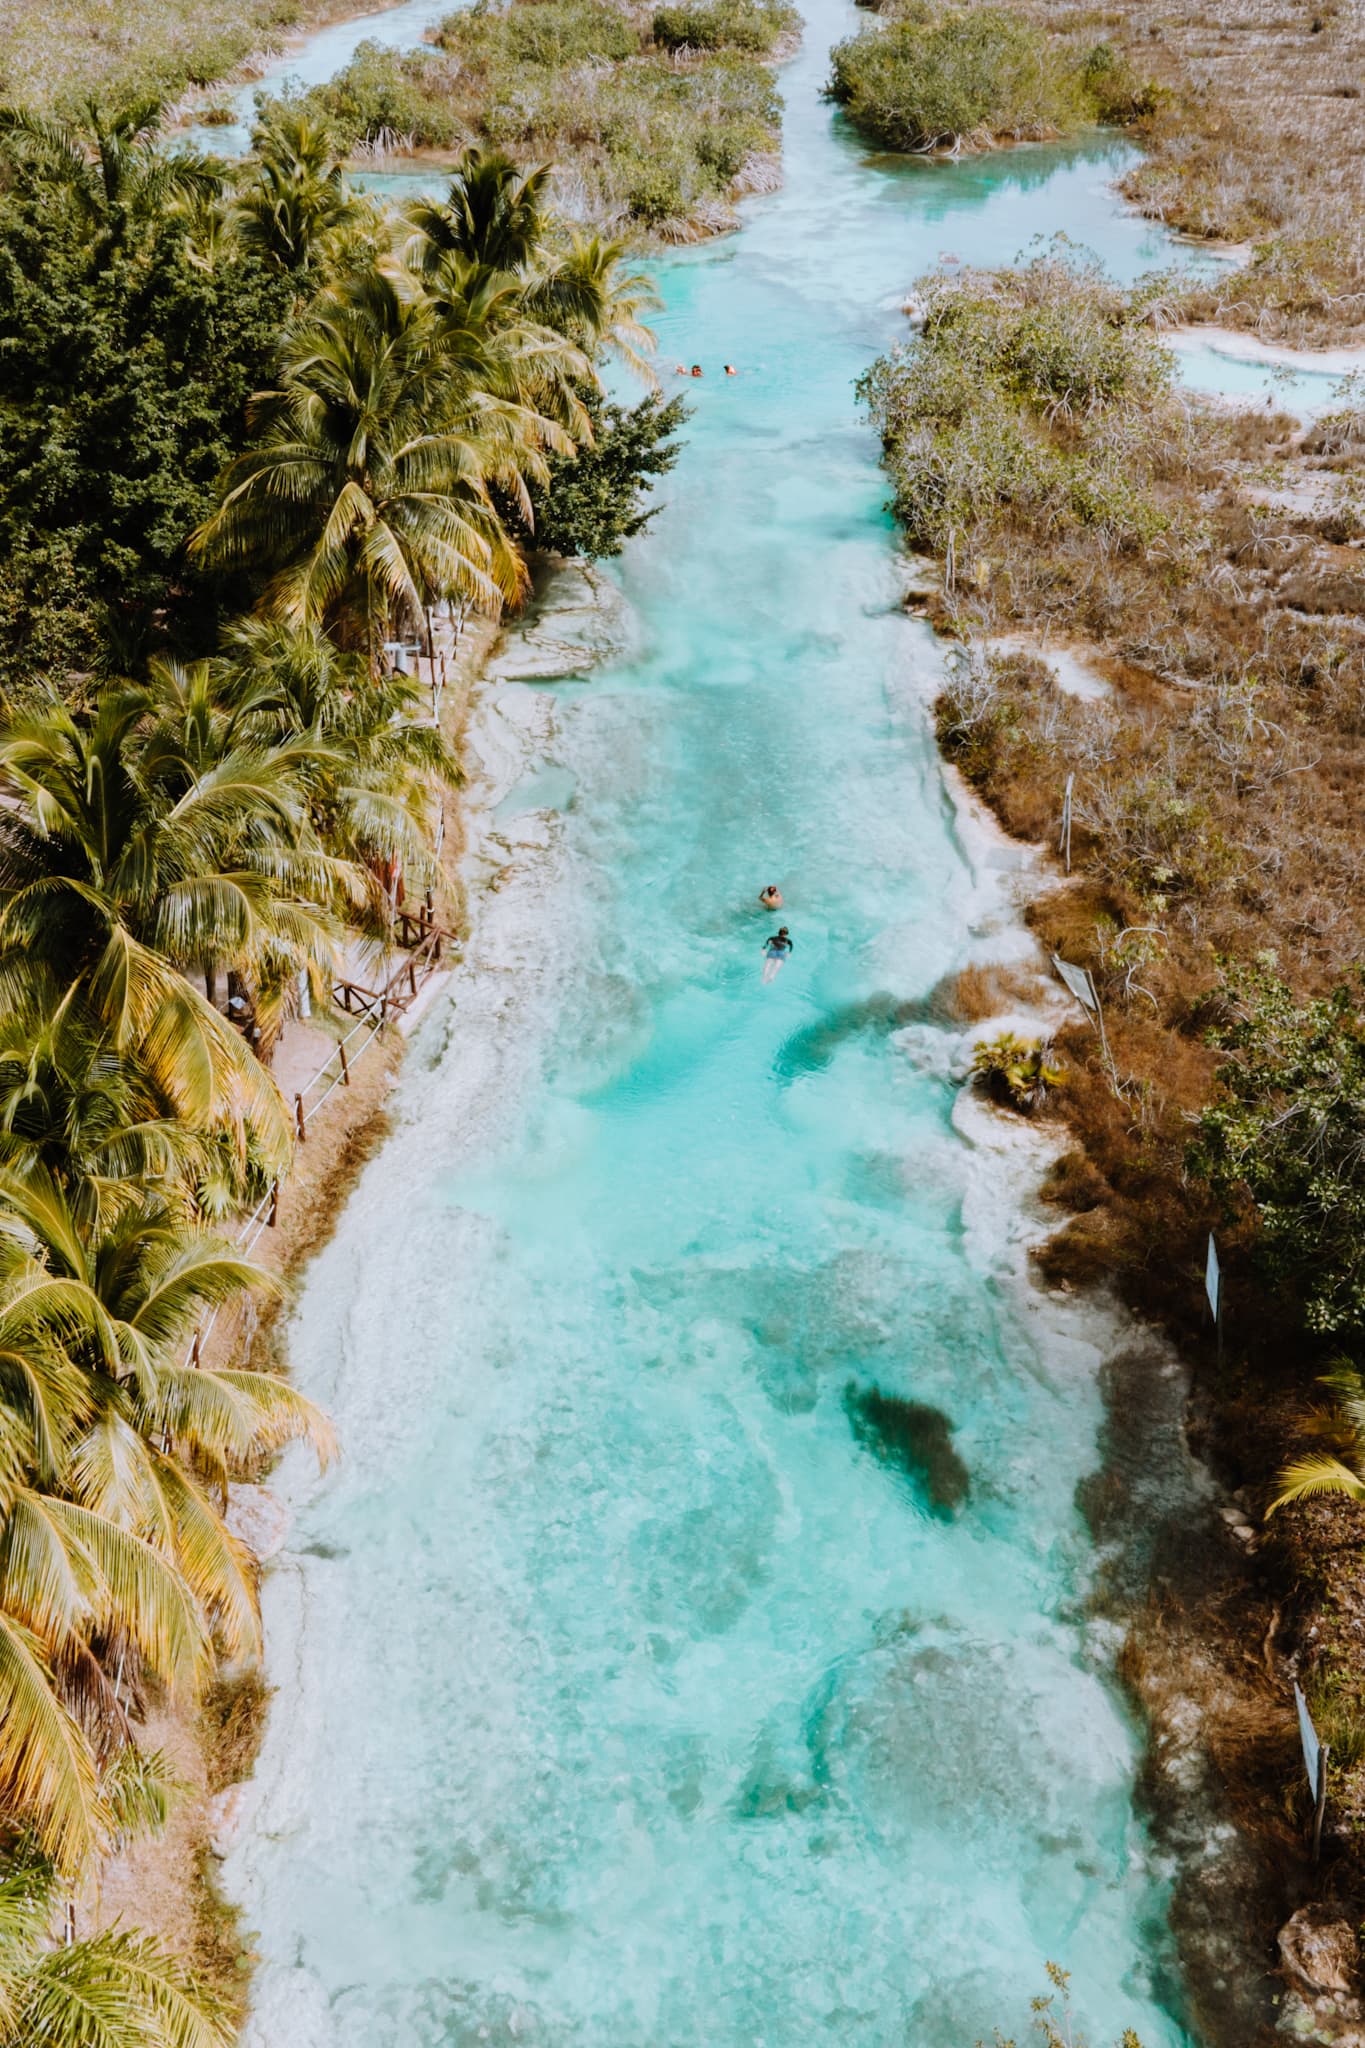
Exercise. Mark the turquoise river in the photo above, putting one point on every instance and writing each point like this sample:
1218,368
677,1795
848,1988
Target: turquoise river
631,1694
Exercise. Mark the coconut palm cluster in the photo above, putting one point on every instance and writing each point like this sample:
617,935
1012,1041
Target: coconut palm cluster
209,825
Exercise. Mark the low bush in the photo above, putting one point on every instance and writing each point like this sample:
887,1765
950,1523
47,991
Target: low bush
384,94
1039,396
921,82
752,25
593,501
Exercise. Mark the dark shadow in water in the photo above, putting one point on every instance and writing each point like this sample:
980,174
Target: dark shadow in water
808,1050
914,1436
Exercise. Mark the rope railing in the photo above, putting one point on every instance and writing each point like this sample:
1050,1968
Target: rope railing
266,1213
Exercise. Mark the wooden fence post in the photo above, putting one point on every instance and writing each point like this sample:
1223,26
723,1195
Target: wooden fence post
345,1070
298,1119
1321,1806
273,1218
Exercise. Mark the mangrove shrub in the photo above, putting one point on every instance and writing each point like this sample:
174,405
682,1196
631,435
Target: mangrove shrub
919,83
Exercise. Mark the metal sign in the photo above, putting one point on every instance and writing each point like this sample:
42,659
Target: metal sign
1308,1735
1315,1755
1078,981
1213,1279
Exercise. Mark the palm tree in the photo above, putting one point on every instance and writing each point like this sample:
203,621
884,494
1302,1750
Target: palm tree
114,168
380,770
72,1106
494,225
368,492
294,199
113,1556
1341,1468
115,1990
123,867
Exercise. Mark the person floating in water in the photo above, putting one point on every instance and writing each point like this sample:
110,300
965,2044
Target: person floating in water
775,951
696,369
771,897
730,370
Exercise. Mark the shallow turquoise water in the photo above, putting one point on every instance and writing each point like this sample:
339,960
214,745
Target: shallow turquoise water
640,1700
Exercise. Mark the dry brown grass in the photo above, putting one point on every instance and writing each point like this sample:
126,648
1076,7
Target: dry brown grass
1258,136
975,993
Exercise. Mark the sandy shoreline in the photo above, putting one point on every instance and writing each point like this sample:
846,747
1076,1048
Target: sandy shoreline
493,1005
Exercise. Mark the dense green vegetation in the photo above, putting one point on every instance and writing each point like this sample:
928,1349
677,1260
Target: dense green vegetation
126,361
931,79
939,77
753,25
252,393
1286,1131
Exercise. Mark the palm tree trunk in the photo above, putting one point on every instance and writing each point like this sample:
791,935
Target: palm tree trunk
211,981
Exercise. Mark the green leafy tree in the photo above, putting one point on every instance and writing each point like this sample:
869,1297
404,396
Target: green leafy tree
1286,1136
122,398
110,167
593,501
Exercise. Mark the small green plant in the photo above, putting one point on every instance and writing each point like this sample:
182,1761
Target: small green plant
1340,1467
1015,1071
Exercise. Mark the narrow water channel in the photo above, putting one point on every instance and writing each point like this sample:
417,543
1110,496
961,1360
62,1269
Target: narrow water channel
634,1693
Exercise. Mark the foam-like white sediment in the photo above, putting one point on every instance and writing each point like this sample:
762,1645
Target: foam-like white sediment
466,1073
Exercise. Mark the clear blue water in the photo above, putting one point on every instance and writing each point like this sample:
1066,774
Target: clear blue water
630,1697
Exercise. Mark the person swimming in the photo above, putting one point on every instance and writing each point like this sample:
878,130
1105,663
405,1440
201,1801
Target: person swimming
696,369
771,897
775,951
730,370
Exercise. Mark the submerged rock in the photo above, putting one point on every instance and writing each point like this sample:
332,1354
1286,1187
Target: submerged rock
1318,1950
914,1436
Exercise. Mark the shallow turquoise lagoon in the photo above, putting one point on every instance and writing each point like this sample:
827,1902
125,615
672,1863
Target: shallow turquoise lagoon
635,1692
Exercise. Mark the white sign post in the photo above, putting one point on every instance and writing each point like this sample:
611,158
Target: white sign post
1213,1287
1081,983
1315,1755
1066,820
